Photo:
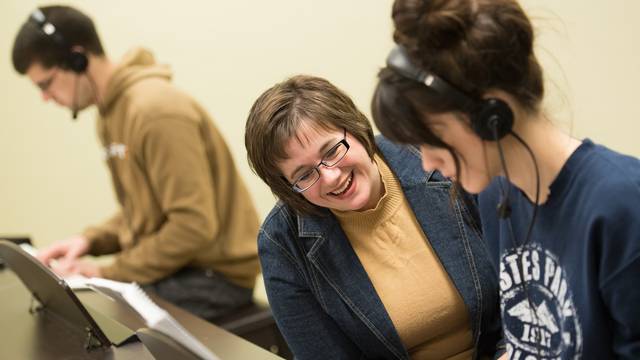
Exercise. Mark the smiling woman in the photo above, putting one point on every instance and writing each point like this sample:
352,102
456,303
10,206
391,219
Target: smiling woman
305,180
362,256
349,179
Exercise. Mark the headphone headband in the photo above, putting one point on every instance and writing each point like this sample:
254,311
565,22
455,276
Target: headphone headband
38,18
77,61
399,61
491,119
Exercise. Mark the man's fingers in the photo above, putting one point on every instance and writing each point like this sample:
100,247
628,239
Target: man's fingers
64,267
45,256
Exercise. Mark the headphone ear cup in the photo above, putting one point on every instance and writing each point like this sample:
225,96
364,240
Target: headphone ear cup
78,62
493,118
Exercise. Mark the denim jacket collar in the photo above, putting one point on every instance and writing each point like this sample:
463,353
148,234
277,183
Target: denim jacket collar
327,256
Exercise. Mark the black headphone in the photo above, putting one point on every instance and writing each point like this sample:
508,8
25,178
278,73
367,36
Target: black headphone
491,119
75,60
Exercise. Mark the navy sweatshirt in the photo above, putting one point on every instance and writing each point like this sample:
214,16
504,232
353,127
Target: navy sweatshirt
573,289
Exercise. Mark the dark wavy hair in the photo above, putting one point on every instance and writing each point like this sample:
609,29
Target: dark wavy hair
475,45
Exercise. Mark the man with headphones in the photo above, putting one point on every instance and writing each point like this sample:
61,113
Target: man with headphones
186,227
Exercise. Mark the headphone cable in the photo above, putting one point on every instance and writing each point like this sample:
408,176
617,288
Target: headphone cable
504,207
537,198
506,204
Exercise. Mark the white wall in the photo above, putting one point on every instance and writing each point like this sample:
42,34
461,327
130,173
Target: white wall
53,181
591,55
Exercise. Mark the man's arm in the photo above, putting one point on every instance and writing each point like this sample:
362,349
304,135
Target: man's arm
103,238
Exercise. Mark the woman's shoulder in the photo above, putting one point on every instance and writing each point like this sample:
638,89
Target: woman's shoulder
281,216
277,234
622,169
284,224
406,163
610,176
392,149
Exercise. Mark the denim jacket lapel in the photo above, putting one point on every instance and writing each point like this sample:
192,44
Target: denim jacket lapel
448,239
331,251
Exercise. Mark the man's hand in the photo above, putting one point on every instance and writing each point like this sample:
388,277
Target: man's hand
66,268
65,251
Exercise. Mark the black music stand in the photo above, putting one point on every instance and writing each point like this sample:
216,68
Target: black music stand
52,295
16,240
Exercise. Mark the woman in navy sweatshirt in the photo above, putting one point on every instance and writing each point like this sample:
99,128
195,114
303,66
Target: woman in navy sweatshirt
561,214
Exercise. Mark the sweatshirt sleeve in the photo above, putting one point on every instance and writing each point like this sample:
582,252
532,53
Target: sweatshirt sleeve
173,155
620,271
103,238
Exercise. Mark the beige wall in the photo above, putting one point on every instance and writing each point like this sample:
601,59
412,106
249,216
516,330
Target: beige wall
225,53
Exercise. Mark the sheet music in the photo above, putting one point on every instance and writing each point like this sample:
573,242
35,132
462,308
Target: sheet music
154,316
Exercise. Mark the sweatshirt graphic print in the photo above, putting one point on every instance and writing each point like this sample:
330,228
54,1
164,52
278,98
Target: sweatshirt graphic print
571,289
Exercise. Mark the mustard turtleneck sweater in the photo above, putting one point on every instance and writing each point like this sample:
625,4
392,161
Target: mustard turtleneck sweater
420,298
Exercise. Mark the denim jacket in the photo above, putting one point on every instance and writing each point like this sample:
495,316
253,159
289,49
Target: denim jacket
321,296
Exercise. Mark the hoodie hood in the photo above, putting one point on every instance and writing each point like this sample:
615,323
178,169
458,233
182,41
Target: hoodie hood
137,64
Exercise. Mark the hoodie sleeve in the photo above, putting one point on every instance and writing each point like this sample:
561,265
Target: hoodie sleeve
173,156
103,238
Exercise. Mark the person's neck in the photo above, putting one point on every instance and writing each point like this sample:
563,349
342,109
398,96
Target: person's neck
551,148
101,69
377,187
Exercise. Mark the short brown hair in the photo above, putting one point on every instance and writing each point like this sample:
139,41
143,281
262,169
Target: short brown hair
32,45
276,116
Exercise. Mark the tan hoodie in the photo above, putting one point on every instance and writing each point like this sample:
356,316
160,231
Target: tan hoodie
183,202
